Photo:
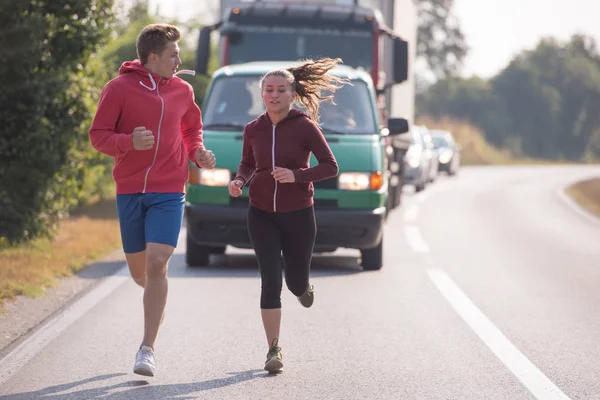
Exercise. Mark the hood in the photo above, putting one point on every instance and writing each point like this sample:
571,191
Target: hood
264,118
134,66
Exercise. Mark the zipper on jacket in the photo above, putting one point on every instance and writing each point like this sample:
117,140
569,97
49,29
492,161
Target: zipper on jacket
273,165
162,111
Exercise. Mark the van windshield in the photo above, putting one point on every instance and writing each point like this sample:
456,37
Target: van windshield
234,101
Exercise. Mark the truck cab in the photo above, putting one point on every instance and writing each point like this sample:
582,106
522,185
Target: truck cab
356,31
350,208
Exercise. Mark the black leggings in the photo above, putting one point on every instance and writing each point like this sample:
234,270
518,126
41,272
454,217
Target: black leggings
292,233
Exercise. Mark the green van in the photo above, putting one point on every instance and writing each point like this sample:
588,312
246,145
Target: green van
350,208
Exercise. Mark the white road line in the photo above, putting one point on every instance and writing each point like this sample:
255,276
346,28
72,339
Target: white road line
31,346
533,379
421,197
410,215
415,240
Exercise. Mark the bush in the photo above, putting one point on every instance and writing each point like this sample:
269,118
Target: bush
45,111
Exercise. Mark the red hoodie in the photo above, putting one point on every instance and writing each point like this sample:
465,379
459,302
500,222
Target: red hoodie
288,145
164,106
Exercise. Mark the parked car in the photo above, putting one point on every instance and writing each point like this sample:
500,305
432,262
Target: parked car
448,150
431,152
417,162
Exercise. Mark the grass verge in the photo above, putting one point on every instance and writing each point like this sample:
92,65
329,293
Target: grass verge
587,194
88,234
475,150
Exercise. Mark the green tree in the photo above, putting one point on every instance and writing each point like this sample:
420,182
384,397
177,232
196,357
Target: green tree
552,97
440,40
44,110
122,47
471,99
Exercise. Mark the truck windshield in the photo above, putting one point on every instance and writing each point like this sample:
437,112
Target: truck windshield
354,47
233,101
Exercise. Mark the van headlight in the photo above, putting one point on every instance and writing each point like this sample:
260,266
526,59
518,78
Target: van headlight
215,177
360,181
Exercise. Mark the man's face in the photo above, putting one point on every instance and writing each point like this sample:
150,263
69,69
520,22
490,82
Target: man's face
167,62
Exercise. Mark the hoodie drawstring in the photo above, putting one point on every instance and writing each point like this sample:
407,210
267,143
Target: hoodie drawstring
186,72
151,80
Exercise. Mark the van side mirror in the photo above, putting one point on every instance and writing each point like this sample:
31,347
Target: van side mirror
400,67
203,51
397,126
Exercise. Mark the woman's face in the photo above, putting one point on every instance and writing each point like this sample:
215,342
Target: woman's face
277,94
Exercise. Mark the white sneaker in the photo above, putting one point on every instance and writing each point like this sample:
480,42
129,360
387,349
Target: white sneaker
144,362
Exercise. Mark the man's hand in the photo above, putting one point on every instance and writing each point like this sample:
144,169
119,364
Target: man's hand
283,175
205,158
235,187
142,138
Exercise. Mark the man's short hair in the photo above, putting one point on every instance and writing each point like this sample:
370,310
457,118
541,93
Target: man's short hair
154,39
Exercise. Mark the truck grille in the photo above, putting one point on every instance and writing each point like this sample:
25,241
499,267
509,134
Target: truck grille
331,183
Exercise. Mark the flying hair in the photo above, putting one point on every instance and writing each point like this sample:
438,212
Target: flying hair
309,80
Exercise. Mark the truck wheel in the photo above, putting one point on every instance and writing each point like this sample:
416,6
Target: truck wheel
196,256
372,259
218,250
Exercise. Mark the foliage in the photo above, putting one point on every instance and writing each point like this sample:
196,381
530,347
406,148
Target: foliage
543,104
440,40
552,98
44,110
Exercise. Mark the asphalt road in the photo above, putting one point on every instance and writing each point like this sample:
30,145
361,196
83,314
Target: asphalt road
490,290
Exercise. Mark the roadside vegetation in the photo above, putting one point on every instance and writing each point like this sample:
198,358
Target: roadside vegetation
587,194
88,234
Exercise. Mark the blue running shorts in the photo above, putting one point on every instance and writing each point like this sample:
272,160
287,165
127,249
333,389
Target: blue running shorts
149,217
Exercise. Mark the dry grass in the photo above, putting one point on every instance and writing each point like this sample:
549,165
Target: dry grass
88,234
475,150
587,194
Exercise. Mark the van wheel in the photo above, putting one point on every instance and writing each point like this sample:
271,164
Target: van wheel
196,256
372,259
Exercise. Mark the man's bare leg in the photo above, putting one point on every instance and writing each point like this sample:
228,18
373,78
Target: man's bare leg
137,266
156,290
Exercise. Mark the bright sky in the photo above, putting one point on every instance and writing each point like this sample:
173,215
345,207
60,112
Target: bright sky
496,30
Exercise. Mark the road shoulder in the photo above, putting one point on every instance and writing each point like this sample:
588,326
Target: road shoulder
24,315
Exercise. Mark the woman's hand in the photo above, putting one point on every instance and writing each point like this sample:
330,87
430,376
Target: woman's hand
283,175
235,187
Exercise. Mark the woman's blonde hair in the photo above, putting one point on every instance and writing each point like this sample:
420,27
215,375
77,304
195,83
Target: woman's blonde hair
309,80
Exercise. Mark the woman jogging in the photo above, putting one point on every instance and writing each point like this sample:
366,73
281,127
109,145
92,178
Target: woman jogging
276,153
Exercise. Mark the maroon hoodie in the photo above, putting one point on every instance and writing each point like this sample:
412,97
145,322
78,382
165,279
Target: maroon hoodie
287,145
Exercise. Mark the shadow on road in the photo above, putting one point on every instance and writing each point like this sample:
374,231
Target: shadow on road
136,389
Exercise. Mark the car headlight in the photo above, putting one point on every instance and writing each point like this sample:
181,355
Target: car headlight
360,181
445,157
215,177
413,162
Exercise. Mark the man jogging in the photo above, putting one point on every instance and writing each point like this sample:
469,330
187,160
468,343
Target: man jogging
147,119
